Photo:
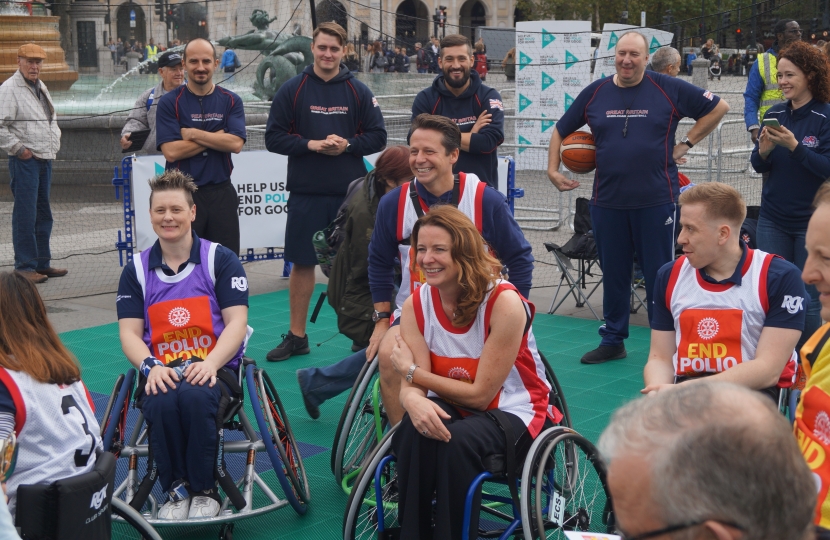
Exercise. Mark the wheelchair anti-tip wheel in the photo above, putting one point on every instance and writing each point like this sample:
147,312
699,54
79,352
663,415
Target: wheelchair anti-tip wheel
279,440
114,421
361,426
372,507
563,487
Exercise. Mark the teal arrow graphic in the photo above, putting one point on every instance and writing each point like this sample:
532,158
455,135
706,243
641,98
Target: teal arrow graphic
524,103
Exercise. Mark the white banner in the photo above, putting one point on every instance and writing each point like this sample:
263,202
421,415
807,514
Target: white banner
259,178
611,33
553,67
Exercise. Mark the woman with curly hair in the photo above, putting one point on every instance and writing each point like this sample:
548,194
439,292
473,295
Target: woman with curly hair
466,345
796,154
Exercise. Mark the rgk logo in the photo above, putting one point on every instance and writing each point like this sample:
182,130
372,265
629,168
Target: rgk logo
793,304
98,498
239,283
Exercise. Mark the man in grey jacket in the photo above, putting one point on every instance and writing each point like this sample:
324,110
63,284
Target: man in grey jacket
30,135
143,115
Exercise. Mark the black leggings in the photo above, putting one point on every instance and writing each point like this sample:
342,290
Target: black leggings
427,466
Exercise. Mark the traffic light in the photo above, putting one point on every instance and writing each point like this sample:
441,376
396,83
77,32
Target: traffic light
442,18
667,19
174,16
738,37
814,26
159,9
726,19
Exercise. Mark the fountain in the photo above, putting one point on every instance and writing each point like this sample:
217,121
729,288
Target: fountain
15,30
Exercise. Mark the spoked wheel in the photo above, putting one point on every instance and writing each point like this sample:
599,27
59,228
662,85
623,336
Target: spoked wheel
557,395
134,524
564,487
114,421
278,438
361,425
373,502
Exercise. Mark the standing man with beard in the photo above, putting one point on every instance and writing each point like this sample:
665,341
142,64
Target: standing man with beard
460,95
198,126
325,121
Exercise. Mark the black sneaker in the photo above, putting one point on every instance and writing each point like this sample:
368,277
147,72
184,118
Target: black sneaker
290,346
604,353
312,410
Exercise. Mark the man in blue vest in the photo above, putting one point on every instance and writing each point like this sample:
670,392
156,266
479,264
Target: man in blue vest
143,114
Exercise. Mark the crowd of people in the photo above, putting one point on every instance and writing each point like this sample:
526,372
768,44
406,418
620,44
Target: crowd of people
433,279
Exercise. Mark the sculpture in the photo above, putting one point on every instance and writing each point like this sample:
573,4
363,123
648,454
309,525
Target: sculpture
284,56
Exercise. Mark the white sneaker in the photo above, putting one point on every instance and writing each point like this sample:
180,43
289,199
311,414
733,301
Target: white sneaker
175,509
203,507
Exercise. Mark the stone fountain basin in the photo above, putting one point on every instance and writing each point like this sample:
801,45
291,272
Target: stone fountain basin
15,30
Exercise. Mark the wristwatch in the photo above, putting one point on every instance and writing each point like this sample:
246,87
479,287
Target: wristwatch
685,140
378,315
348,147
410,373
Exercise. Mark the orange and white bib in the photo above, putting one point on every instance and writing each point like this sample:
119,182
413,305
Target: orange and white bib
455,353
717,326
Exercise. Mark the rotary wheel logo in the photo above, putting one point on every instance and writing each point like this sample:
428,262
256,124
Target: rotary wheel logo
708,328
178,316
459,374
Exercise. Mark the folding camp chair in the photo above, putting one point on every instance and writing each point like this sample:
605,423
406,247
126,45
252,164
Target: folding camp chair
580,248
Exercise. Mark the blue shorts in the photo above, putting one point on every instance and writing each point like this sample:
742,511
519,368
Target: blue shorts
307,214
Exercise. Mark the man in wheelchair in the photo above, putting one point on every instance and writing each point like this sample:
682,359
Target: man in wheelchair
466,346
723,311
182,315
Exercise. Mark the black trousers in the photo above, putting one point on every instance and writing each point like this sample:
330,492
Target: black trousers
428,467
217,219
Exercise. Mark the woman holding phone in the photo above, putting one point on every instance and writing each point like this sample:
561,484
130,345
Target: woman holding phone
794,148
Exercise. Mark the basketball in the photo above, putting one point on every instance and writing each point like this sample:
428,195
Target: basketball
579,152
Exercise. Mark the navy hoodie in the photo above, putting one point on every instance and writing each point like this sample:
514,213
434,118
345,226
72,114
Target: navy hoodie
464,110
794,177
308,108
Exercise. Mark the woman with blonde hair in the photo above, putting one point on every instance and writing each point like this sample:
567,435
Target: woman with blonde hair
351,59
509,64
42,398
466,345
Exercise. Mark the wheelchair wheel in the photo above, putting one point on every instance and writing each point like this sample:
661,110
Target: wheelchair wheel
114,421
557,395
360,424
564,487
279,440
134,524
362,518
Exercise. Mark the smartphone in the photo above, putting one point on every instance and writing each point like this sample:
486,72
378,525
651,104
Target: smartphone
772,122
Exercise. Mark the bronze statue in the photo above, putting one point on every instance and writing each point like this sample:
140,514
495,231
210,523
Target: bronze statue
284,55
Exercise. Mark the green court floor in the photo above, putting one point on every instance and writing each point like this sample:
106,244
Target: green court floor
592,392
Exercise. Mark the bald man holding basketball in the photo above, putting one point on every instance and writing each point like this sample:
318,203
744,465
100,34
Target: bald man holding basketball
633,117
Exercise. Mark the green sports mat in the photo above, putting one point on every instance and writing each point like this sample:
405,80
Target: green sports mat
592,393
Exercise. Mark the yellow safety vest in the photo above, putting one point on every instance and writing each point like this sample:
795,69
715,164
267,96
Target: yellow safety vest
812,418
153,51
768,68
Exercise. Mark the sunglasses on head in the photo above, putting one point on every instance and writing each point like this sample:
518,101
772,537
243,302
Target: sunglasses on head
8,456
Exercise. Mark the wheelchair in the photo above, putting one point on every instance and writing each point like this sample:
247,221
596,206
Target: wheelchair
237,436
363,422
562,488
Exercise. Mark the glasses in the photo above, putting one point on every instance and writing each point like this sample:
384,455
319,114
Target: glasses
675,528
8,456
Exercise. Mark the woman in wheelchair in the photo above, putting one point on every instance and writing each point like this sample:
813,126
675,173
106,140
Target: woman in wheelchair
42,398
182,315
466,346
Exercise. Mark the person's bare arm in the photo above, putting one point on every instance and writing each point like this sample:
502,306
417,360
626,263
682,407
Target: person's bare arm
507,323
703,127
380,330
219,140
558,179
178,150
773,352
659,370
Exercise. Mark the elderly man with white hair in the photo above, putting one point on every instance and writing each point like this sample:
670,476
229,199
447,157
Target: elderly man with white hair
715,461
666,60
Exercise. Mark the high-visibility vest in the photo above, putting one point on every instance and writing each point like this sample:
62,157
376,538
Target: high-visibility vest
768,68
153,51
